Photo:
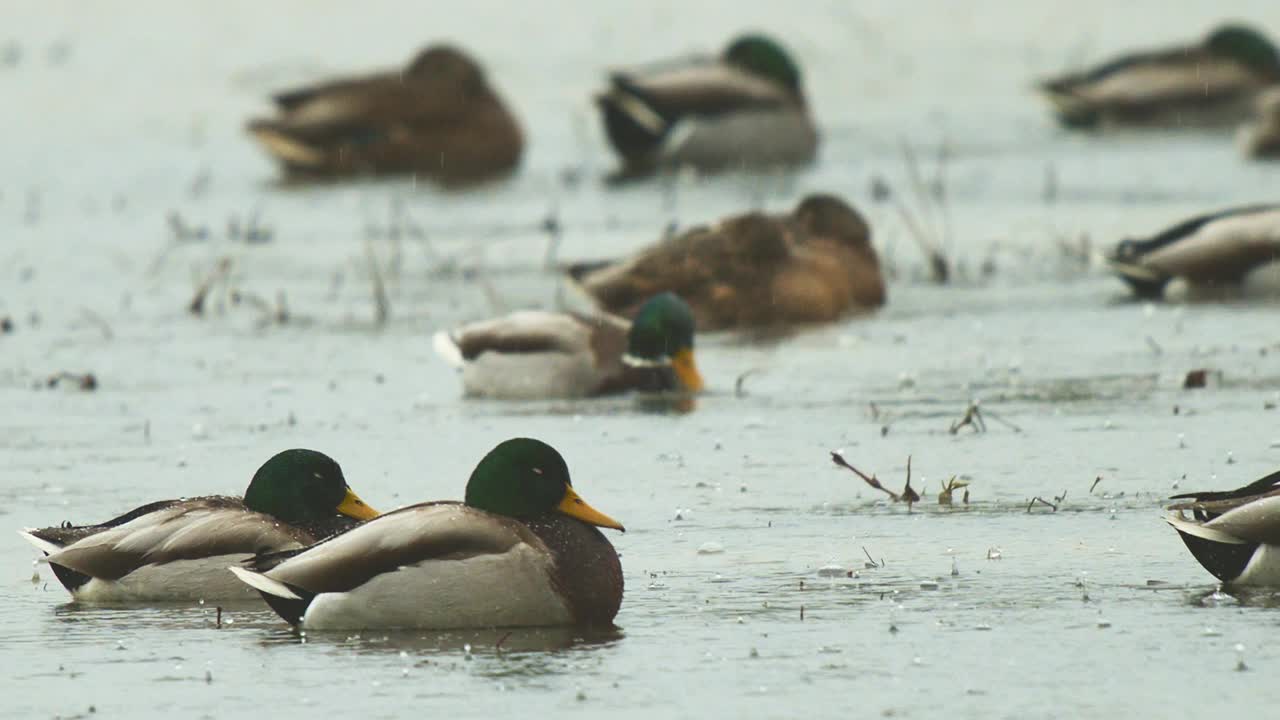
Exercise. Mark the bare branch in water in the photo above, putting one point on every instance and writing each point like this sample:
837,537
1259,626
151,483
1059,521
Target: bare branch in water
838,459
219,272
381,304
1042,501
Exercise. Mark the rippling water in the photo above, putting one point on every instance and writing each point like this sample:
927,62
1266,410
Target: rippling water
761,580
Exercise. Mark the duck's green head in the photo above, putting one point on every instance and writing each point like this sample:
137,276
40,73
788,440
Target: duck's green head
763,56
1246,46
301,486
662,335
524,478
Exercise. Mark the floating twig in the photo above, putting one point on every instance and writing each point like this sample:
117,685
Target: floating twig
838,459
498,645
219,272
87,382
739,389
949,487
972,418
217,623
98,320
381,304
871,562
1095,484
1042,501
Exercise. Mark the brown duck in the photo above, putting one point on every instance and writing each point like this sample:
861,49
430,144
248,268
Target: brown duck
754,270
438,118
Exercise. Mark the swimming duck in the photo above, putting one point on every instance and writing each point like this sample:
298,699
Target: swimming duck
744,109
1234,534
523,549
1261,139
539,354
438,118
1210,83
1218,248
753,270
178,550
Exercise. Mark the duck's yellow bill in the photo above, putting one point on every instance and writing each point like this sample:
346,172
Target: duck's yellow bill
353,507
577,508
687,370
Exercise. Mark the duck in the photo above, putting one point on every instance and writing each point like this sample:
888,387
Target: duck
178,550
744,109
751,271
437,119
1233,534
1211,83
1214,249
522,549
538,354
1260,139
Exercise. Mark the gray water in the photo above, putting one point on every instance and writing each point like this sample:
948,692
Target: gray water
748,586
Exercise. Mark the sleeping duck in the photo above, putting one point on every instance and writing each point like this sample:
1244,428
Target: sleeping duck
745,109
1261,138
537,354
1211,83
522,549
754,270
1234,534
1215,249
438,118
178,550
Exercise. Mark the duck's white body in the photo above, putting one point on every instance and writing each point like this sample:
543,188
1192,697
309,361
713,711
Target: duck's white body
433,566
175,553
1215,250
535,354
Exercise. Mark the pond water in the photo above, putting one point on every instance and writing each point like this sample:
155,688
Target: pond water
762,581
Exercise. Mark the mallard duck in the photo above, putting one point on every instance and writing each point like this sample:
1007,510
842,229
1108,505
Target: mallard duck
1234,534
1261,138
438,118
178,550
539,354
743,109
521,550
1218,248
1211,83
754,270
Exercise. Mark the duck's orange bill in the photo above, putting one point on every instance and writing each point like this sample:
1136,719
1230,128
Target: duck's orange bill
687,370
353,507
577,508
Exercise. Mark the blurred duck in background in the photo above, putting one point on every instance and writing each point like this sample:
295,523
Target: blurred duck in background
745,109
1213,83
1213,250
1261,139
438,119
535,354
754,270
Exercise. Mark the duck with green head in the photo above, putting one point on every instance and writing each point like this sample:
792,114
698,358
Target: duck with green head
534,354
437,119
1212,83
743,110
177,550
523,549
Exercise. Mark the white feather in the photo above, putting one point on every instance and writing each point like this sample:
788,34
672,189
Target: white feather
178,581
507,590
40,544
